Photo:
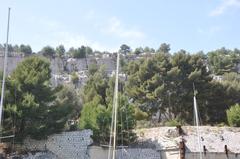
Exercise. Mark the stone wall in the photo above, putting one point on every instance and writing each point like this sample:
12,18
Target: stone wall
40,155
76,145
67,145
96,152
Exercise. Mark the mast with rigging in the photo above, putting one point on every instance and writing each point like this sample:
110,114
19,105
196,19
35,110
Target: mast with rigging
113,133
197,122
4,69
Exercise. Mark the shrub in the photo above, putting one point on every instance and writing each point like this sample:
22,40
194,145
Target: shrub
233,115
174,122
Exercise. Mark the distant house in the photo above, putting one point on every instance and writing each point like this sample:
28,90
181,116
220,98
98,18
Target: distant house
218,78
122,76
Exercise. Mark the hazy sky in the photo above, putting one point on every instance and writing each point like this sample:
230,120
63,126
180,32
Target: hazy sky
193,25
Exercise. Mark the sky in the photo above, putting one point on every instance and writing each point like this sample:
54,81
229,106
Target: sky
104,25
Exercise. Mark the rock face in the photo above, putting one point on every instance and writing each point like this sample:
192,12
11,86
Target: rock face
59,65
61,68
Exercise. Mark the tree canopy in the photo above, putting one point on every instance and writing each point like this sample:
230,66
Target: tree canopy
125,49
80,52
48,51
60,51
35,108
223,60
96,113
164,84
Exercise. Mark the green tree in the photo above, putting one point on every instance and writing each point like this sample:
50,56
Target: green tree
1,47
48,51
67,107
125,49
164,83
16,48
78,53
88,50
74,78
26,49
138,50
89,114
10,48
96,113
146,82
31,81
233,115
32,103
96,85
92,69
223,60
147,49
165,48
60,51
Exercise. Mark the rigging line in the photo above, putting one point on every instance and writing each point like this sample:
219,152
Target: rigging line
114,115
127,124
126,112
115,109
4,72
122,127
121,113
5,137
111,131
14,118
197,121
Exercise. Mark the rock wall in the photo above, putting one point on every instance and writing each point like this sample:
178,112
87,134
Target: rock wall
12,63
40,155
76,145
96,152
67,145
57,64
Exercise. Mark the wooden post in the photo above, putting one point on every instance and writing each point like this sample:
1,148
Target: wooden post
182,149
226,150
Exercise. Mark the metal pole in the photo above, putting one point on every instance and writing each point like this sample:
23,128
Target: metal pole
4,69
115,109
197,122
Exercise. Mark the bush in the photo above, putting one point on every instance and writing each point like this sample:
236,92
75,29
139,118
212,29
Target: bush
74,78
173,122
140,115
233,115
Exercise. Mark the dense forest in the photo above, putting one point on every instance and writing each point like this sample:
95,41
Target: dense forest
156,90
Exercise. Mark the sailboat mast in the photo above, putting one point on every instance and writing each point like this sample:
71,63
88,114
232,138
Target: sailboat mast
197,122
115,109
113,131
4,68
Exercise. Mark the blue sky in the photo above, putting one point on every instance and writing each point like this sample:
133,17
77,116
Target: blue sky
106,24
